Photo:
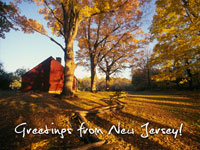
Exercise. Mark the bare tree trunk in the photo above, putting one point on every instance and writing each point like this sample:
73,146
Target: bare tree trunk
107,82
93,77
69,70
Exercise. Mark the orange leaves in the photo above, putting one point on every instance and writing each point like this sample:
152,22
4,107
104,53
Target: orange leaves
30,25
83,43
45,12
38,2
112,39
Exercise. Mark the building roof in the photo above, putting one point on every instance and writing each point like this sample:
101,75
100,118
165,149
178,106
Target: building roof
43,63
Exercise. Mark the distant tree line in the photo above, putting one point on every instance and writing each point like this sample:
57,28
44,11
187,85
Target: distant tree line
122,84
145,76
11,80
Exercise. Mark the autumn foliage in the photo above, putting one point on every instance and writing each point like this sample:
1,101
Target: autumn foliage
64,18
7,18
176,27
111,40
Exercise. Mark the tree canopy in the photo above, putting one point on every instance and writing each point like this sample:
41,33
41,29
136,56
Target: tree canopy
113,33
7,18
176,27
63,19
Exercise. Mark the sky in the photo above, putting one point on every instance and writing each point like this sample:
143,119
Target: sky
20,50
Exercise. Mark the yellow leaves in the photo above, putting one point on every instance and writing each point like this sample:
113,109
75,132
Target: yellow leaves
86,11
163,77
178,39
96,10
183,81
106,6
135,40
168,30
33,25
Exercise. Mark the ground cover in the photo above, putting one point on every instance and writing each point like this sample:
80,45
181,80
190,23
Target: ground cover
159,109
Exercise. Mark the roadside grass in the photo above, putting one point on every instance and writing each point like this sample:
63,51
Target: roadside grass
161,110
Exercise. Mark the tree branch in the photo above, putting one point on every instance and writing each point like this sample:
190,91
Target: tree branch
114,70
109,34
112,48
102,68
114,61
48,37
53,13
57,43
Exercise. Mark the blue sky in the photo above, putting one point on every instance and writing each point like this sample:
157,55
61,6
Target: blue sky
20,50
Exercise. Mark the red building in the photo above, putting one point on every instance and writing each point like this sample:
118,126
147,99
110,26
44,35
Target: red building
47,76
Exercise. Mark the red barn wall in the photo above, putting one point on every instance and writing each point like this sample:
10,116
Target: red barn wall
37,78
47,76
56,77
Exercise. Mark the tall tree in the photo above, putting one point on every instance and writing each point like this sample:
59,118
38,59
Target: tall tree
141,70
123,55
63,19
176,27
98,32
